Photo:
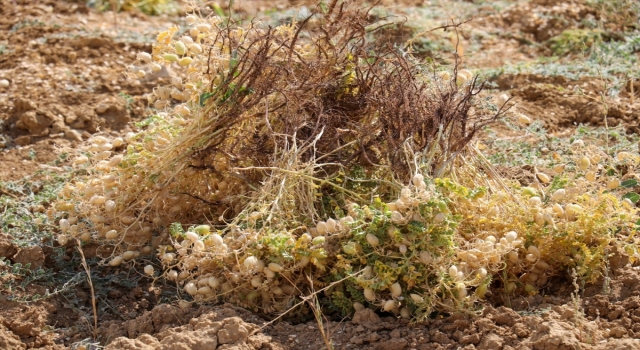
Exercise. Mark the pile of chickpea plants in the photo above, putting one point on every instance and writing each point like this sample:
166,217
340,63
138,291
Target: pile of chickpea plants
284,159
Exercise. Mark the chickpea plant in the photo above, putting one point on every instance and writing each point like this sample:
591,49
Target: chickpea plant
243,186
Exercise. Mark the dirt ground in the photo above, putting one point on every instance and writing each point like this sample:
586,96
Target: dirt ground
64,63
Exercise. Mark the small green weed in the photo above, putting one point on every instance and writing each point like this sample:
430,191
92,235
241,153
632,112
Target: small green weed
12,272
575,41
534,312
128,99
150,7
22,206
26,23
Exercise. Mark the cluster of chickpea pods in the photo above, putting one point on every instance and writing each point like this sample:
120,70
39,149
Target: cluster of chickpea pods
240,268
571,212
127,203
101,208
470,267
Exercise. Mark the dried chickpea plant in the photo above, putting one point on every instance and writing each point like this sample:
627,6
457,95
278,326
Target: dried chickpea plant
284,159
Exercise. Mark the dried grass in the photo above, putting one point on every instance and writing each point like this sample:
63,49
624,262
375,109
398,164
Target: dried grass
320,101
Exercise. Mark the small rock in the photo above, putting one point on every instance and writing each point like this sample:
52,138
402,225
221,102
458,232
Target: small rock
233,331
392,344
8,340
440,338
486,325
122,343
34,256
4,83
471,339
22,140
616,313
617,332
7,248
28,323
490,341
471,347
521,330
101,108
356,340
555,335
189,340
505,316
395,333
372,337
73,135
23,105
70,118
259,341
37,123
568,314
365,317
148,339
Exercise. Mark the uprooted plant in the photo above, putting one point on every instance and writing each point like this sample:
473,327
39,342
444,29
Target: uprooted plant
279,164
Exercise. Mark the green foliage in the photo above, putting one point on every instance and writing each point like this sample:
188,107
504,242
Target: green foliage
176,230
619,15
575,41
614,61
22,206
128,99
150,7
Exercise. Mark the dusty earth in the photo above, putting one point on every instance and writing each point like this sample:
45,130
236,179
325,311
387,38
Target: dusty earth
64,63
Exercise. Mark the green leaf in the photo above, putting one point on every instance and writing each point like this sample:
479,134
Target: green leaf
323,7
152,119
204,97
218,10
477,193
634,197
415,227
629,183
235,59
176,229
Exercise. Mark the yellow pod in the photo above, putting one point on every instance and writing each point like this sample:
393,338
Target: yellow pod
396,290
544,178
613,184
185,61
181,49
116,261
584,163
170,57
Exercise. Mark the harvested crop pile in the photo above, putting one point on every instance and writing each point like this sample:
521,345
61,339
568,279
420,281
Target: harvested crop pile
306,158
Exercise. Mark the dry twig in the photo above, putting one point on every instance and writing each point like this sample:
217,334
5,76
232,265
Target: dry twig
93,294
